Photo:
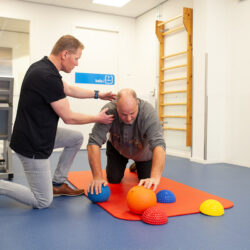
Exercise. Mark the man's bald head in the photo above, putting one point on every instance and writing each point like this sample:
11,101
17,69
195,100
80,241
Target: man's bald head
126,93
127,105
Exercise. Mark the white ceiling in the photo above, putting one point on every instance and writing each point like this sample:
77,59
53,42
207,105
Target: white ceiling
133,9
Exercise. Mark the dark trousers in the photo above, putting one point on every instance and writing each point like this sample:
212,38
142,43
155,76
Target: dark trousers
116,165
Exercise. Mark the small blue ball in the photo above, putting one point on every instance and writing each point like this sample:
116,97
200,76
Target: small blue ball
165,196
103,196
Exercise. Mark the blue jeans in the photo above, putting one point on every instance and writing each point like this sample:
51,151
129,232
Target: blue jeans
38,173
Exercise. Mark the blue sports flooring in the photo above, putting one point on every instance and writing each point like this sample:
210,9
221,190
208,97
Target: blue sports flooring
74,223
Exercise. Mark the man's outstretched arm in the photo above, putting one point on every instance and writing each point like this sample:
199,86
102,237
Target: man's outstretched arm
158,164
94,155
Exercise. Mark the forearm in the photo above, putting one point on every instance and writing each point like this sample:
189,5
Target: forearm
158,162
80,93
62,108
94,155
77,92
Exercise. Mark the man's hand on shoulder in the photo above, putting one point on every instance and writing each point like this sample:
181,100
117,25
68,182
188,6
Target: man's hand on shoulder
102,117
107,96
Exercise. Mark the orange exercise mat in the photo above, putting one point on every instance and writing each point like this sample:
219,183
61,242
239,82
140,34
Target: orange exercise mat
188,199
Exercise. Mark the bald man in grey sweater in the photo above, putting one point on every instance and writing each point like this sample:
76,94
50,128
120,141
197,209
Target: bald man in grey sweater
134,134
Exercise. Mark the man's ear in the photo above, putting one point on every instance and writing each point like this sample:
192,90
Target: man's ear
64,54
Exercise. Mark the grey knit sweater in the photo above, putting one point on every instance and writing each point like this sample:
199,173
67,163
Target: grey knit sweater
135,141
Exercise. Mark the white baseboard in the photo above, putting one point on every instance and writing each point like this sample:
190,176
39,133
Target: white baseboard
178,153
202,161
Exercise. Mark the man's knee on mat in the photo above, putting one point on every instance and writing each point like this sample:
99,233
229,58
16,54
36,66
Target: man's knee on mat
114,179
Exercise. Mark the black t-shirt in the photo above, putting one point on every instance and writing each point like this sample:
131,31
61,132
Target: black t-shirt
36,122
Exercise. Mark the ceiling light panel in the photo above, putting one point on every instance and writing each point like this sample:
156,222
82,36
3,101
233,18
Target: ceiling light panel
114,3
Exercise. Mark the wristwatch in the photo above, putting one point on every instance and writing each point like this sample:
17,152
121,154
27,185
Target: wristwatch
96,94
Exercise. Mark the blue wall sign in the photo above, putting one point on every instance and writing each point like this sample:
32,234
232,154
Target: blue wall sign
89,78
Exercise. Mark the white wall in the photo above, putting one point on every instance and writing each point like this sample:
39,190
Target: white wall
199,50
210,36
146,59
220,31
237,137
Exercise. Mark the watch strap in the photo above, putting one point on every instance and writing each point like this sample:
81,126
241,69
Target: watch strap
96,95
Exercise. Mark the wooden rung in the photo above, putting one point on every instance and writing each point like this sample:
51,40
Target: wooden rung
174,79
173,92
173,104
179,129
170,20
175,54
175,67
173,30
173,116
